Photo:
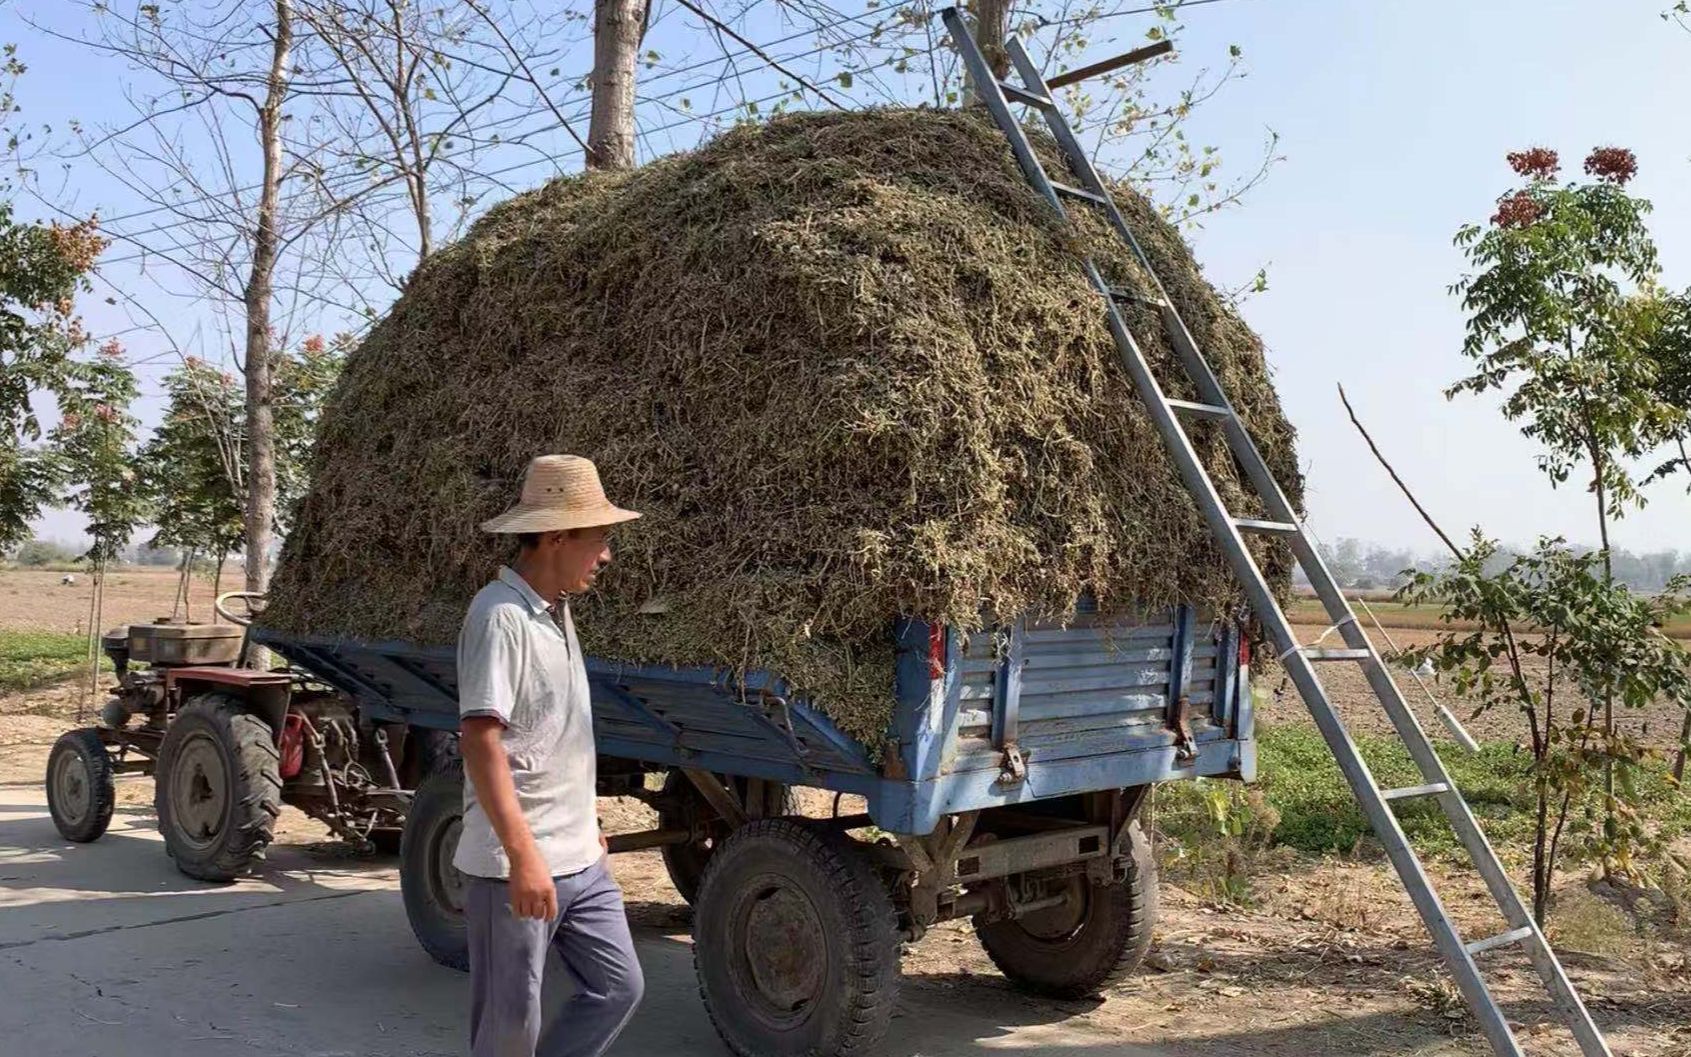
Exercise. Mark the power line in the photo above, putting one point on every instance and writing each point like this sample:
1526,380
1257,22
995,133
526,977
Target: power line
145,251
725,57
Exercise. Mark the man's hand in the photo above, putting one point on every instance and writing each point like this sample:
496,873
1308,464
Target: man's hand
604,845
533,894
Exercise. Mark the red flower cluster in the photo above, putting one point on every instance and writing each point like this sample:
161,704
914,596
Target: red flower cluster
107,412
71,420
112,349
1540,163
315,344
1516,210
1614,164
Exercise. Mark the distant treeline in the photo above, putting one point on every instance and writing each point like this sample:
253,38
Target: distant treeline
1369,566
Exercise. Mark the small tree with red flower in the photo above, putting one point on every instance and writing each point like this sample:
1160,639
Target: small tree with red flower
1564,312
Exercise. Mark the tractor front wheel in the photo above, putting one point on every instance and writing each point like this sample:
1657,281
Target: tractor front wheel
218,788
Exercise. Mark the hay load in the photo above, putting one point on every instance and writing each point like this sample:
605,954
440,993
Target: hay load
846,364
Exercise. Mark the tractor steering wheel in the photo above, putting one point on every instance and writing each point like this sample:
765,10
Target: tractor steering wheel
251,601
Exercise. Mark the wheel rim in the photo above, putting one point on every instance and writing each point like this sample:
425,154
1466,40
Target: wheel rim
1060,924
199,791
779,953
73,787
448,882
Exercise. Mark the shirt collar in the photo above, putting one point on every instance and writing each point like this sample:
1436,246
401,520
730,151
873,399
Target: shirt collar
512,579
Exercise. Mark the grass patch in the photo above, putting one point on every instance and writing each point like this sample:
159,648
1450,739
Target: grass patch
1314,813
29,659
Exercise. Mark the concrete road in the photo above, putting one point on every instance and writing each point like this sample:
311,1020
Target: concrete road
107,951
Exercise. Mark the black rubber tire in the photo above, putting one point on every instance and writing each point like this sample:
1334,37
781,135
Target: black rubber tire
432,906
1107,944
216,729
438,750
685,863
83,811
848,942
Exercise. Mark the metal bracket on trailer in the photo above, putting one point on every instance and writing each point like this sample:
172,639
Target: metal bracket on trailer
723,799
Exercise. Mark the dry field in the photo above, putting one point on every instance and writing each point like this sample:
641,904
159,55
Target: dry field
36,600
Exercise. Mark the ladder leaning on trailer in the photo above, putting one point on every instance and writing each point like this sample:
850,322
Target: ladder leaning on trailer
1282,521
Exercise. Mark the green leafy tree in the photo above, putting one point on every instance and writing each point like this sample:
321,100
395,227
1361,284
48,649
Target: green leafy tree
94,443
1560,324
191,467
304,378
42,268
1590,639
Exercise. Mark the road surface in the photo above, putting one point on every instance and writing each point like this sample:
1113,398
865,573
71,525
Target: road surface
107,951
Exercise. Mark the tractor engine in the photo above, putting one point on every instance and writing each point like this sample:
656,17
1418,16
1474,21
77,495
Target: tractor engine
160,646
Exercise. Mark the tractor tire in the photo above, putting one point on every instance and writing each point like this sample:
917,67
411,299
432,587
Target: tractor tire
432,887
1080,949
81,791
688,809
218,788
795,943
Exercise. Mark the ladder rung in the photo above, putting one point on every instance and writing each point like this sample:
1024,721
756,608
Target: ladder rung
1500,940
1338,655
1204,410
1270,528
1079,192
1415,790
1121,293
1018,94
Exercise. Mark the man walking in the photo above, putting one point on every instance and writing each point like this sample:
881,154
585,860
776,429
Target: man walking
536,863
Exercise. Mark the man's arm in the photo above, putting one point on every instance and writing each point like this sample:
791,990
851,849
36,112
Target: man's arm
489,660
482,746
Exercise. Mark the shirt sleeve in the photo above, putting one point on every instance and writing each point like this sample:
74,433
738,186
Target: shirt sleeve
489,659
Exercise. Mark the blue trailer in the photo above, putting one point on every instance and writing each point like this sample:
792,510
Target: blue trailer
1005,791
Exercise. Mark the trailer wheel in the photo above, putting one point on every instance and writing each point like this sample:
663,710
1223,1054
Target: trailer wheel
795,943
80,788
1094,941
688,809
432,887
218,788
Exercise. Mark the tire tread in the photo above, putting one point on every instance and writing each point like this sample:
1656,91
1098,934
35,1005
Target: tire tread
872,924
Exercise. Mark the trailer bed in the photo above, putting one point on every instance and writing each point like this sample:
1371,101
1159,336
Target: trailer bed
1028,711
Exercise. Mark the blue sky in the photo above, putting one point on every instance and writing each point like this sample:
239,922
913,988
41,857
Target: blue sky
1394,118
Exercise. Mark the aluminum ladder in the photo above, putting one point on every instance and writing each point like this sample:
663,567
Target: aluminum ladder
1282,521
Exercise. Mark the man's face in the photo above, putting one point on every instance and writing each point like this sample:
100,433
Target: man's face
576,557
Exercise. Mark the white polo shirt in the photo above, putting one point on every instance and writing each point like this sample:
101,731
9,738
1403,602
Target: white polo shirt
522,667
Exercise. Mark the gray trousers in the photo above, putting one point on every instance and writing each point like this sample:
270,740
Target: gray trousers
508,960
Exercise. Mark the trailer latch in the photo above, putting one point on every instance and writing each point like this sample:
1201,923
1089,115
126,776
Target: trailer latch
1180,724
1014,769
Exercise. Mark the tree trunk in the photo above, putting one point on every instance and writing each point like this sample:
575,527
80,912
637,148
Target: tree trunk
618,27
217,581
992,28
260,356
188,585
1684,740
1541,864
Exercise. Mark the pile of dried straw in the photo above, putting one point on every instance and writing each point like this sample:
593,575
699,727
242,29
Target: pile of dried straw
847,365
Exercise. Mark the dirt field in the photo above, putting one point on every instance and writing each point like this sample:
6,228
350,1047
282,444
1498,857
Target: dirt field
1659,723
1330,961
37,600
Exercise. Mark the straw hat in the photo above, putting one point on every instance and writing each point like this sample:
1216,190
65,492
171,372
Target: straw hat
560,492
